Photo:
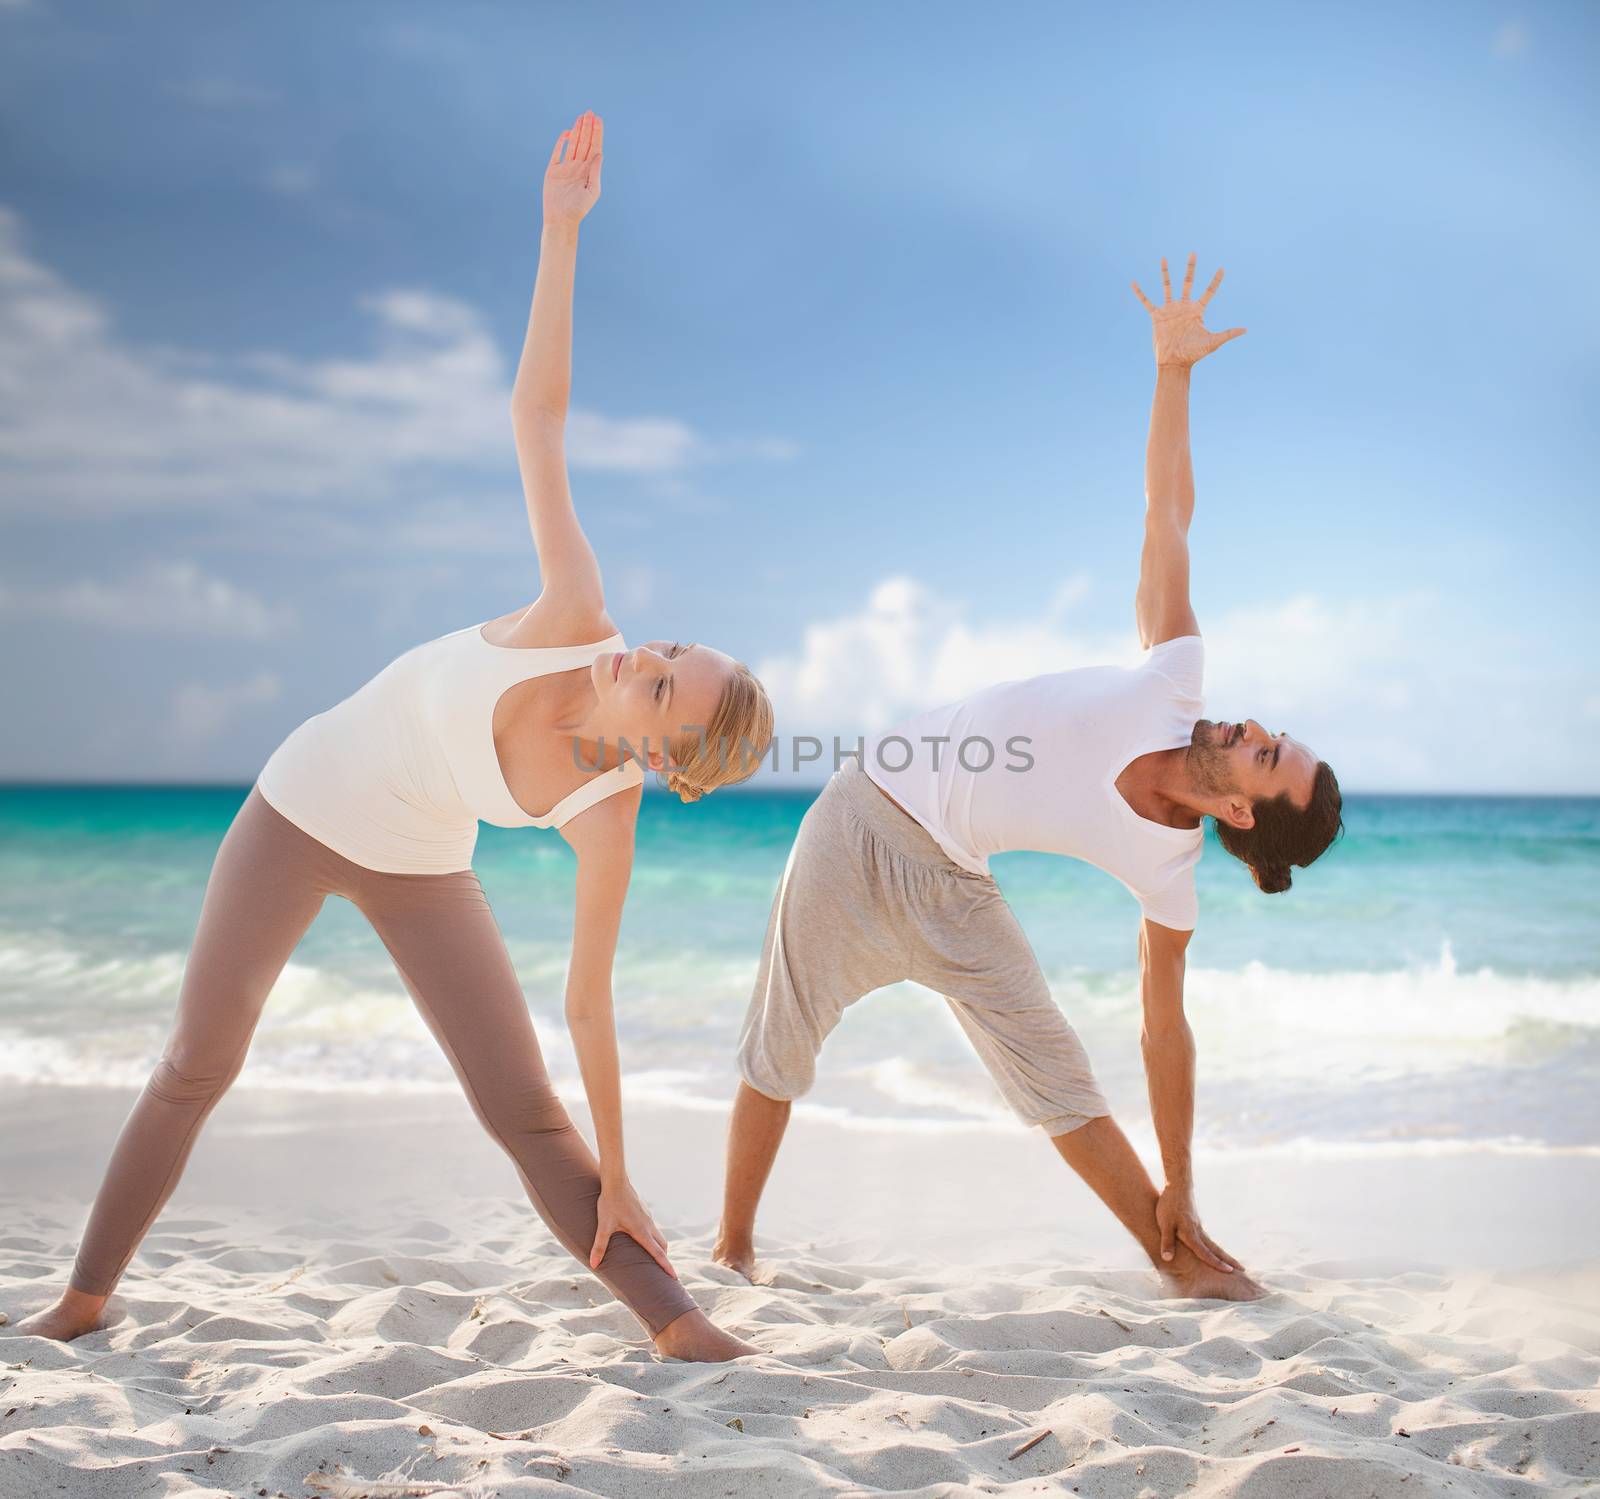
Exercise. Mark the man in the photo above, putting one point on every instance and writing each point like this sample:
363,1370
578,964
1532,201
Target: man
888,878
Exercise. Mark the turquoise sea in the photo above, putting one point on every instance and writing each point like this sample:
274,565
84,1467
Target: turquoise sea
1433,984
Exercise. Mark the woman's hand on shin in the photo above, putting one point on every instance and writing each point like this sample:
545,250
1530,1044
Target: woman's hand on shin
621,1211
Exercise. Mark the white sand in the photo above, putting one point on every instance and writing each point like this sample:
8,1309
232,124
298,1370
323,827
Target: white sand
423,1332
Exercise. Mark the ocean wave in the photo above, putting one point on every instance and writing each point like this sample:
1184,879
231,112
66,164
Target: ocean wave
1425,1058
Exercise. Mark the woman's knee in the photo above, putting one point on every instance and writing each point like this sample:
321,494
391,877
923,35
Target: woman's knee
524,1109
181,1079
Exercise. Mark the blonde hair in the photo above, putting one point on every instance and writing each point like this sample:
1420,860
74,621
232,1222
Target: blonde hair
733,743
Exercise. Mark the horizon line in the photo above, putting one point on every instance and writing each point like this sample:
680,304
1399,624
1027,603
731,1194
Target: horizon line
16,783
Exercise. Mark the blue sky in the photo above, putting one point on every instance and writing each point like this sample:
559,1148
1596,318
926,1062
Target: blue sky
860,392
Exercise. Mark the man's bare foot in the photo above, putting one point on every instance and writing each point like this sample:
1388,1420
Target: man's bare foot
71,1317
696,1338
1204,1283
738,1255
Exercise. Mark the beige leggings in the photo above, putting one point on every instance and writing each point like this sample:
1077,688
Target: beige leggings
266,887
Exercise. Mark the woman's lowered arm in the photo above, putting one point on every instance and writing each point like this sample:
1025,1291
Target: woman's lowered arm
602,837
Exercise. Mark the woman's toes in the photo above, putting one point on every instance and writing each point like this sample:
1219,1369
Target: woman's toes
51,1324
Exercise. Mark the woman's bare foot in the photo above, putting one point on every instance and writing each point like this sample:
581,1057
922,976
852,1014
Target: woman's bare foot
696,1338
738,1255
71,1317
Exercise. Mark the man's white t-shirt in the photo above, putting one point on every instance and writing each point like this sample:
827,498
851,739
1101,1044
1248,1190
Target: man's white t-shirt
1081,729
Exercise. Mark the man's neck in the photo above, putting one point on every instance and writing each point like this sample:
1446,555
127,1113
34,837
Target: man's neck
1160,789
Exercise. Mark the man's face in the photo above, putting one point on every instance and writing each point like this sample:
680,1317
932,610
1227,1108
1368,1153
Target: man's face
1244,759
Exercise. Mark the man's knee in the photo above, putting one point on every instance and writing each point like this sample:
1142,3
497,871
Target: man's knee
1069,1123
763,1097
778,1079
1069,1101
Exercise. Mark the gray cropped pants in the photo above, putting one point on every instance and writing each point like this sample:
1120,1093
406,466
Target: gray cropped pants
868,898
266,887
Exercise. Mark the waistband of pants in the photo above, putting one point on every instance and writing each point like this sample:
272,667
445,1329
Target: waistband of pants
898,829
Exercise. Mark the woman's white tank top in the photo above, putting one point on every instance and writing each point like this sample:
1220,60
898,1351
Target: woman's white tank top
397,776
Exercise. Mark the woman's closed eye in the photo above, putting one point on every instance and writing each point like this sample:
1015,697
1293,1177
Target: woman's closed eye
659,692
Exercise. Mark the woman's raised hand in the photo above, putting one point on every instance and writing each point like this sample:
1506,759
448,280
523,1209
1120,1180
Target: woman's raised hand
1181,337
572,180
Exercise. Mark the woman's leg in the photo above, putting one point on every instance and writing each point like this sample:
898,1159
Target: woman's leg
265,888
451,956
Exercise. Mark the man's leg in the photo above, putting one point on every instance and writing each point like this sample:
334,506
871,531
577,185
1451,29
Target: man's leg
754,1135
831,938
1101,1154
980,958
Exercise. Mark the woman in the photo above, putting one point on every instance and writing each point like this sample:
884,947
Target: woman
538,718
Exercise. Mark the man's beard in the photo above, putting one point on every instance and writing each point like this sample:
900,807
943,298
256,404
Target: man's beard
1208,768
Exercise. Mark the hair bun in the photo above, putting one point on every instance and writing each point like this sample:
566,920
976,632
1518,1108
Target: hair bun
1271,879
686,791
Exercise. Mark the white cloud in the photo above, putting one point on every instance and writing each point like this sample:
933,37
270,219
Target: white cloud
200,712
164,598
90,424
436,526
1511,39
436,46
642,446
1074,591
291,181
909,650
222,93
1394,691
632,586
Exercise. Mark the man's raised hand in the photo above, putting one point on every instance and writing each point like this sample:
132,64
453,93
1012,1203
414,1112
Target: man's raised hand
1181,337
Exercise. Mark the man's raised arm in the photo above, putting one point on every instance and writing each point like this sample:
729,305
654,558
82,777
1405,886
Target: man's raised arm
1181,340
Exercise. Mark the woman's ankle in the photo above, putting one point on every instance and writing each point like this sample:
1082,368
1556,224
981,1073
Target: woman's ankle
693,1335
686,1323
75,1302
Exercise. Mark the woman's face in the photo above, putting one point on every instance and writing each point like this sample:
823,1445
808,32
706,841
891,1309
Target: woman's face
659,692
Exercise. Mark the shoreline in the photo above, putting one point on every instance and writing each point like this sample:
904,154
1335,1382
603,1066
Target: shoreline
980,1197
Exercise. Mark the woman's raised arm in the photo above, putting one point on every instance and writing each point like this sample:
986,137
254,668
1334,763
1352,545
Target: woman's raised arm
567,564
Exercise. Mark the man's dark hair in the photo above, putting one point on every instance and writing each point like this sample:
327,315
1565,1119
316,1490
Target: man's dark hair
1285,834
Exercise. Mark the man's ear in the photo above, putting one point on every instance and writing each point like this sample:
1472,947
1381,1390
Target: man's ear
1237,813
